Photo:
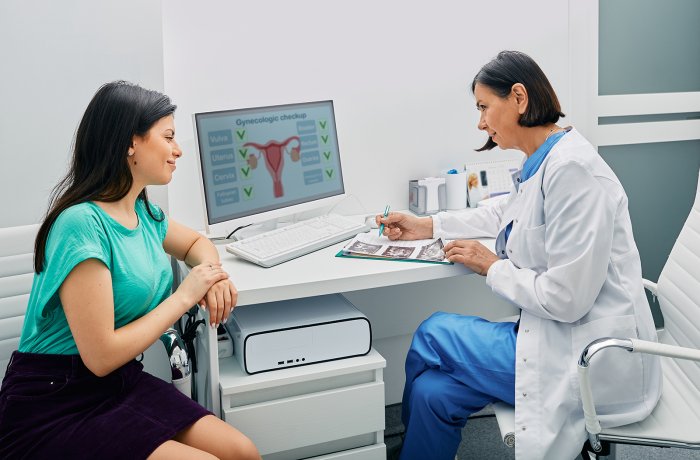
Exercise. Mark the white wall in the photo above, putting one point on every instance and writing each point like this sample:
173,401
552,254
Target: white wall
53,57
399,73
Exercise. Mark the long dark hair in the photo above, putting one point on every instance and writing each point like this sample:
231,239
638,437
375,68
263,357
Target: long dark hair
99,170
511,67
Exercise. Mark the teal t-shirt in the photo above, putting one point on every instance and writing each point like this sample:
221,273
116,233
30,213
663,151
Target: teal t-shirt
141,273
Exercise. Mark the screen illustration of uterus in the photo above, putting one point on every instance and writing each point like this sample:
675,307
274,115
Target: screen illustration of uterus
273,154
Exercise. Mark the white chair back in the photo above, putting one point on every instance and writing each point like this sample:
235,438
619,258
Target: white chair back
16,274
678,291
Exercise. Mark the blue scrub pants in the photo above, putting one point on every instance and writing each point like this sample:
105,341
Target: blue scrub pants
456,366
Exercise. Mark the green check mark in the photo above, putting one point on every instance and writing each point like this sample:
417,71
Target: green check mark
327,155
243,153
324,139
245,171
248,191
323,124
329,173
240,133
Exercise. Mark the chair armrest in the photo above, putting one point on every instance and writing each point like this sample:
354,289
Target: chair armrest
505,417
650,286
662,349
179,361
631,345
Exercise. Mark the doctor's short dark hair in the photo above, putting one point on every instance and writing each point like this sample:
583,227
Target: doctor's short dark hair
511,67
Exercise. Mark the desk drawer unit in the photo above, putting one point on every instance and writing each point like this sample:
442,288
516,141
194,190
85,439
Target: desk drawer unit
324,411
376,452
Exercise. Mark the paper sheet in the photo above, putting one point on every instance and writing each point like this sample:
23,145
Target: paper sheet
371,245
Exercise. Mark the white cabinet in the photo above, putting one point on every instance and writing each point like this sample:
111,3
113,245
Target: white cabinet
324,411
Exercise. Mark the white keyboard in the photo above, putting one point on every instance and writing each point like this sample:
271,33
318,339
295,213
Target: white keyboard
282,244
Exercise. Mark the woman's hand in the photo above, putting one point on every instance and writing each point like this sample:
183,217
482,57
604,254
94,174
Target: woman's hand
220,300
199,280
399,226
472,254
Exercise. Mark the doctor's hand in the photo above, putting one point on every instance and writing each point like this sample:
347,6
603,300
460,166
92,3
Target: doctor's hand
472,254
220,300
399,226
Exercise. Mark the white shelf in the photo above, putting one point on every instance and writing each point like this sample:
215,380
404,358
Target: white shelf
232,378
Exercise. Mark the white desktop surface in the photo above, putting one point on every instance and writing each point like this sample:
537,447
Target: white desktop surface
322,273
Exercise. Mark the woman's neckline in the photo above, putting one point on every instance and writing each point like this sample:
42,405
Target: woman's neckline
115,221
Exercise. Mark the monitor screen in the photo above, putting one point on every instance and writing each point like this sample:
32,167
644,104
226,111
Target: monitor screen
256,160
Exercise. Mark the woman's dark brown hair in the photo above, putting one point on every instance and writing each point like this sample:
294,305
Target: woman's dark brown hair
511,67
99,168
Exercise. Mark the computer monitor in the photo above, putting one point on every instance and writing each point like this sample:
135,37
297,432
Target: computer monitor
261,163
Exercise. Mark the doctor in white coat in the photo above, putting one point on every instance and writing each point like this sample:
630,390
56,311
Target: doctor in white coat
565,255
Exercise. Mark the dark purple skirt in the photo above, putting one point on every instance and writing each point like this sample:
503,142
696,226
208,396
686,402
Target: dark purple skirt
52,406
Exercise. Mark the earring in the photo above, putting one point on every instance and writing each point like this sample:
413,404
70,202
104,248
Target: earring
131,154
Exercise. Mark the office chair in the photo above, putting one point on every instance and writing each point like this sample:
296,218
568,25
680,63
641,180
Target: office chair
16,274
675,422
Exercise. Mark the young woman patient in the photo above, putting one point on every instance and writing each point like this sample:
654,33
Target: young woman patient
102,295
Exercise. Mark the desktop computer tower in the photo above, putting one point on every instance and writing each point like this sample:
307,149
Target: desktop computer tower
291,333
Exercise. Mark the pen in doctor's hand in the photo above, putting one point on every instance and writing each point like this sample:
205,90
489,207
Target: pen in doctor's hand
381,227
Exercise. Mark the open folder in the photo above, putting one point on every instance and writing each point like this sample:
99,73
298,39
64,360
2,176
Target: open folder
368,246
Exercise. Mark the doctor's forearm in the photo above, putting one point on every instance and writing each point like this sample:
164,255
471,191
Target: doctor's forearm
543,295
478,223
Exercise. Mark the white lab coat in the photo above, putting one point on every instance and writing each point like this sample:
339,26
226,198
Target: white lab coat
574,270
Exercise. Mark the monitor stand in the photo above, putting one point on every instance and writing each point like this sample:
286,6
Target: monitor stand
243,233
267,225
256,229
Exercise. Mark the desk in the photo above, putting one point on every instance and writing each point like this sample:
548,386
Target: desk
321,273
315,274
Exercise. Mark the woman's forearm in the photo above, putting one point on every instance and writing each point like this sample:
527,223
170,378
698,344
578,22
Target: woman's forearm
202,250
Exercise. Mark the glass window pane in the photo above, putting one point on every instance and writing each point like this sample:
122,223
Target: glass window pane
648,118
660,180
648,46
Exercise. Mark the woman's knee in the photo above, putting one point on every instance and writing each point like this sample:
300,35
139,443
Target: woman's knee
252,452
440,324
219,438
427,392
436,325
432,323
246,450
173,449
238,447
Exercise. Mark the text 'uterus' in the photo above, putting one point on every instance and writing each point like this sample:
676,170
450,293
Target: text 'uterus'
273,152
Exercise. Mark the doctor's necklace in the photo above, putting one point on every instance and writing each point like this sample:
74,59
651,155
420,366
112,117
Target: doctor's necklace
551,131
